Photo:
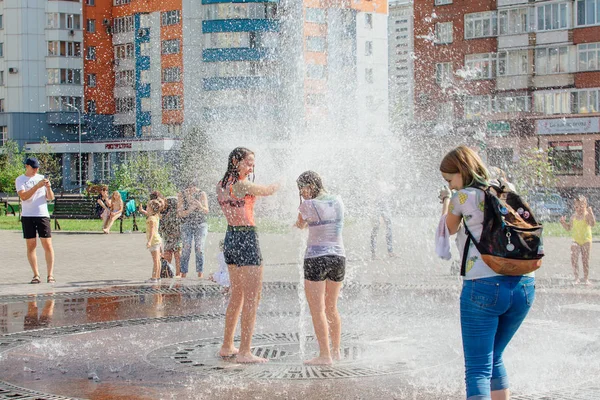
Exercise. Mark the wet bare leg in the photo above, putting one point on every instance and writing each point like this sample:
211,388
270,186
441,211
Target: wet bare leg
234,308
575,250
332,292
315,295
585,260
252,281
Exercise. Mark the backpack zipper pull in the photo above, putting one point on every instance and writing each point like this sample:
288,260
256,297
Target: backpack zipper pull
509,246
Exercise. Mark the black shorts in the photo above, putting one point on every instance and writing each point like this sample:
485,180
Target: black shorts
33,226
241,246
318,269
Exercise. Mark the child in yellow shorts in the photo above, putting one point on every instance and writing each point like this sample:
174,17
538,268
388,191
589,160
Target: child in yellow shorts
580,225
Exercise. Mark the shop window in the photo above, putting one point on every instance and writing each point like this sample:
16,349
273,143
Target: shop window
566,157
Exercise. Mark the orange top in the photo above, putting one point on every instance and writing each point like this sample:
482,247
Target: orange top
238,211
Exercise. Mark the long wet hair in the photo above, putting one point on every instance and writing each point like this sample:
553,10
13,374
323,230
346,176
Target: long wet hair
464,161
235,157
312,179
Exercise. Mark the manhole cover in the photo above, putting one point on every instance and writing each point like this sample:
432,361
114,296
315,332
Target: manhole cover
361,356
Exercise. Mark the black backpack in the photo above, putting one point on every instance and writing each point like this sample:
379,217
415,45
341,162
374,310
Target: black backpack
511,239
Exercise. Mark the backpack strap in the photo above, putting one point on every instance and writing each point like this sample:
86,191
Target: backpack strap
463,264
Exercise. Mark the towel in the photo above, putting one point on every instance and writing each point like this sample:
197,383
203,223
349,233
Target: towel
442,240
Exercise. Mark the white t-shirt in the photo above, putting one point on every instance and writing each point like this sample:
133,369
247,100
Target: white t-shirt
325,218
469,203
36,205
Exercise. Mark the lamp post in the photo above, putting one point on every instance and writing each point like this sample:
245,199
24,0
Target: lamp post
79,131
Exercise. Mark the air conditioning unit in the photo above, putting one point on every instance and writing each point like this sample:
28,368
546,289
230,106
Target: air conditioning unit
13,70
109,30
72,32
106,22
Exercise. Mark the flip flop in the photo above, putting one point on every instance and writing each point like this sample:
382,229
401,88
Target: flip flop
36,279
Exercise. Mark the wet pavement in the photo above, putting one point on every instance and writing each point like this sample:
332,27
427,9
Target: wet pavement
101,333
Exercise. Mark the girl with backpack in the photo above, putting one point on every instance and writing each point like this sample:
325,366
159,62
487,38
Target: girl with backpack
580,225
324,262
492,306
237,195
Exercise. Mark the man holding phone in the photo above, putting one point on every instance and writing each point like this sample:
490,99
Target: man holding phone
35,191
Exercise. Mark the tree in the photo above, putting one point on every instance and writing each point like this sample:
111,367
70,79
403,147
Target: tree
534,172
49,162
11,165
142,174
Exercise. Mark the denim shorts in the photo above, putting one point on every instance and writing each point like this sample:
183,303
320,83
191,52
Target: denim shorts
241,246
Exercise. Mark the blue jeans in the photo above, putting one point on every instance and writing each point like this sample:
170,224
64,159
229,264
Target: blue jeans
491,311
190,232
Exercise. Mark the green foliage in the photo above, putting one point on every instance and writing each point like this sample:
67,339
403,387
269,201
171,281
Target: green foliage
49,163
142,174
533,172
11,166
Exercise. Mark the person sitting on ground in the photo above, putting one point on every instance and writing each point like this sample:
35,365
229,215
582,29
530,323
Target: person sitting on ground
580,225
116,209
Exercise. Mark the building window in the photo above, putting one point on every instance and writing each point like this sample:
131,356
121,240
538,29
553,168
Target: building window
90,2
91,107
170,17
442,2
170,46
480,66
3,135
91,80
512,104
144,49
566,157
147,130
64,76
174,130
123,24
443,32
105,167
558,102
552,16
121,2
59,103
586,101
368,48
443,74
172,74
369,21
482,24
1,78
369,75
124,51
63,21
171,102
316,15
514,21
315,71
124,104
1,49
124,78
515,62
64,49
589,56
146,104
91,25
1,105
552,60
315,43
588,12
477,106
1,21
91,53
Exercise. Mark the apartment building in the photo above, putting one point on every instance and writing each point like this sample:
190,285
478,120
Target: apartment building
519,74
401,66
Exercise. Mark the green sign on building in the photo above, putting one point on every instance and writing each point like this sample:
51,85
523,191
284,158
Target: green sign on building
498,127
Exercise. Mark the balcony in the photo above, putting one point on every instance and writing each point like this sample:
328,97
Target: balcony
504,3
553,80
125,118
507,41
551,37
513,82
62,118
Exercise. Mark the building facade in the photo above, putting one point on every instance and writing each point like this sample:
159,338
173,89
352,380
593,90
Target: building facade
102,79
516,74
401,65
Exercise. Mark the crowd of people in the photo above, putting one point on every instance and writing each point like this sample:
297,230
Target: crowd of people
492,305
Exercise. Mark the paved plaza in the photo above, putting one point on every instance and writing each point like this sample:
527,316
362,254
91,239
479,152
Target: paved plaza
100,332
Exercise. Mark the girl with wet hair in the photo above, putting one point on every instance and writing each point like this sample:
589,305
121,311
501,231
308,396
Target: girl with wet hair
236,195
324,262
492,306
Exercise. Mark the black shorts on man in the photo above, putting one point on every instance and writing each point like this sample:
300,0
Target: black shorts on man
36,226
318,269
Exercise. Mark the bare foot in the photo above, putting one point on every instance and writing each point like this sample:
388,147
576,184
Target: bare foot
319,361
200,275
183,275
250,359
336,355
587,282
228,351
577,282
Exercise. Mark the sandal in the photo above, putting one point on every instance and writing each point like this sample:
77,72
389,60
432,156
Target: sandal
51,279
36,279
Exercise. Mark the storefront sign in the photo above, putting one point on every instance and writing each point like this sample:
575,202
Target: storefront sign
115,146
497,128
561,126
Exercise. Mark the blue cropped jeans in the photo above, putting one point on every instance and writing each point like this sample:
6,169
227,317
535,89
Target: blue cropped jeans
491,311
193,233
